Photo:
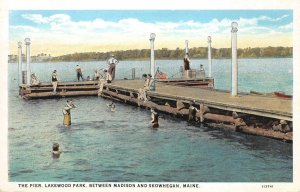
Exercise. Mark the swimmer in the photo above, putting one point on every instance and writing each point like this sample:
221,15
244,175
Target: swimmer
55,150
112,106
192,112
154,117
67,112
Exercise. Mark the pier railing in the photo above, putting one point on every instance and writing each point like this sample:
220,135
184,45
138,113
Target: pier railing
192,73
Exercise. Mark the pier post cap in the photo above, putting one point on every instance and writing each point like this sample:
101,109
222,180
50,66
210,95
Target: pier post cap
19,44
234,26
152,36
209,39
27,41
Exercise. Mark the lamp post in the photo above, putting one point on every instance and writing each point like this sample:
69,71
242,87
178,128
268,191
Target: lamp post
209,56
234,64
152,62
186,46
19,62
27,43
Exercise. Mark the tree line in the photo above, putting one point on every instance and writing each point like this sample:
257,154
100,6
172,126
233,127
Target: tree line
164,53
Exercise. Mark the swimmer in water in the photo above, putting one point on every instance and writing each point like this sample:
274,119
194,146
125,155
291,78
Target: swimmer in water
55,150
154,117
112,106
67,112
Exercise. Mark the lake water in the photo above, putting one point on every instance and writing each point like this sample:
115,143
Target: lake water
120,146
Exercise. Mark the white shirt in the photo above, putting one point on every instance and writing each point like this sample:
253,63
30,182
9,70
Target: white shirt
78,69
112,60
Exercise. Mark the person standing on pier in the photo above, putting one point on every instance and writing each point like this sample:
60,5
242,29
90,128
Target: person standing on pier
142,92
67,112
54,80
112,67
79,72
102,81
186,62
151,83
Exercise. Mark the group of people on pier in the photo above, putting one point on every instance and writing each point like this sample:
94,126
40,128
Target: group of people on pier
107,75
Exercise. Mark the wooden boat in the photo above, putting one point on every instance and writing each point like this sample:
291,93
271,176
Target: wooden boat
282,95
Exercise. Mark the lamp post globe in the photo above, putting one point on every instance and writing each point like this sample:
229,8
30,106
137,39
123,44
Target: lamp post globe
234,24
27,41
209,39
152,36
19,44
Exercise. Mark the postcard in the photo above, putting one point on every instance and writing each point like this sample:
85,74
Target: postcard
132,96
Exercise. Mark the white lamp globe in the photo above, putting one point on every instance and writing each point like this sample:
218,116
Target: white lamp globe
27,41
234,24
152,36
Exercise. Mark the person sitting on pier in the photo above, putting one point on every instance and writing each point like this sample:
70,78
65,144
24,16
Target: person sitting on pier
154,119
55,150
34,79
79,72
96,75
102,81
54,80
148,86
201,72
112,66
67,112
88,78
201,67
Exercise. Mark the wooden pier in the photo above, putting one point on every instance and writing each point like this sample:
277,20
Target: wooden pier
64,89
253,114
249,113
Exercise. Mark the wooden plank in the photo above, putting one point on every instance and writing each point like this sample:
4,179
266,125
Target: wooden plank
60,94
67,83
64,87
184,80
188,83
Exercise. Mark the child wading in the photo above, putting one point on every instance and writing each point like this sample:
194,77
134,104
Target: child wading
67,112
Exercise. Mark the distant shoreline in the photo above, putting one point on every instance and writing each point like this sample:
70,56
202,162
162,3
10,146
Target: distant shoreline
165,54
136,59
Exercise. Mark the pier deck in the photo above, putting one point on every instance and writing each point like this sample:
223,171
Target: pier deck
272,107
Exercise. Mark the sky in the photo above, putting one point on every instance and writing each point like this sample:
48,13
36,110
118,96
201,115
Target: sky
68,31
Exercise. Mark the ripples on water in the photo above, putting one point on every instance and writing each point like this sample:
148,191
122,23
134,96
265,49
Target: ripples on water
120,146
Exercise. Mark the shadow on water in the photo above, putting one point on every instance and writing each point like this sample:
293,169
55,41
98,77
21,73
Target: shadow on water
251,142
